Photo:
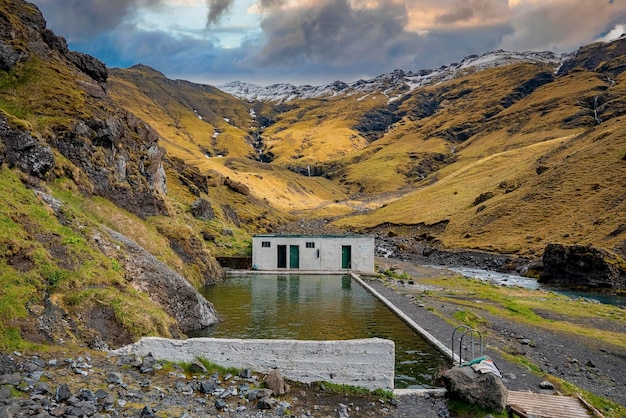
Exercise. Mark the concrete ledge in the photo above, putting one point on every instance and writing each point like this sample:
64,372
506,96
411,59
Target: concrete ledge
436,393
368,363
421,331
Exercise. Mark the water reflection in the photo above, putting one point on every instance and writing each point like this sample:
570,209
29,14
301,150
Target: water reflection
313,307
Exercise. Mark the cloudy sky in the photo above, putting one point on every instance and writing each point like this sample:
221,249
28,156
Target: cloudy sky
320,41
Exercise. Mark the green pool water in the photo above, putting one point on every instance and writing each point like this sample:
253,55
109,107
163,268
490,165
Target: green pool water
315,307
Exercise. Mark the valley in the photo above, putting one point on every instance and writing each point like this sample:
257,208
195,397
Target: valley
119,188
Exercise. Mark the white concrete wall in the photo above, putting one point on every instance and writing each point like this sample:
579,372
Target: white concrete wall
368,363
326,256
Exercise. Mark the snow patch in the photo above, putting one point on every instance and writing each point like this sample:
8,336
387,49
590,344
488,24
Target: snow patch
393,85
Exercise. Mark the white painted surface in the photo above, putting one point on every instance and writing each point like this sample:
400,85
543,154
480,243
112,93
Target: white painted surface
323,254
368,363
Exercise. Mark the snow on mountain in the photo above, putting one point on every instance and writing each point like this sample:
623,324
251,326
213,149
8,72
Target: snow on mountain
393,85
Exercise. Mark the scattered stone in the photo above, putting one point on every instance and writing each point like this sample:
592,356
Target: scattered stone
63,393
545,384
147,412
590,364
82,409
114,378
5,392
147,365
58,411
197,367
220,404
206,386
275,381
266,403
343,411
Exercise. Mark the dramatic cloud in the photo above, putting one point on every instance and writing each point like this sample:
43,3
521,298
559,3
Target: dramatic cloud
216,9
83,19
474,12
560,25
318,41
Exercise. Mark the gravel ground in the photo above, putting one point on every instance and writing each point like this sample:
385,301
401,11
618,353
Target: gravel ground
598,368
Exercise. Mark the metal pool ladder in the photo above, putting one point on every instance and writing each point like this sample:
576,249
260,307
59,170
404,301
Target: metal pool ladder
472,333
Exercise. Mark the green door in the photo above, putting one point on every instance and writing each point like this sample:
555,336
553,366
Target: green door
282,256
294,257
346,256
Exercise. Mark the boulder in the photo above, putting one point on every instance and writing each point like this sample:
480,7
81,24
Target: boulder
237,186
197,367
89,65
483,389
202,209
583,266
276,383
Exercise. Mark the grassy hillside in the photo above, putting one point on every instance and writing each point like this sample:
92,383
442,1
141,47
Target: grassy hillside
508,158
71,160
541,170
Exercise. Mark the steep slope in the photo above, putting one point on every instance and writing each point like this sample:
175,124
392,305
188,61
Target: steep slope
220,136
95,237
523,166
196,120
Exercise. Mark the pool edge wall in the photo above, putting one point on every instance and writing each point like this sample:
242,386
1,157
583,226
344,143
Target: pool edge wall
441,347
367,363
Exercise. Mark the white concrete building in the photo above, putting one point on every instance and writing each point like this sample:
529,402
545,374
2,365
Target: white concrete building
330,253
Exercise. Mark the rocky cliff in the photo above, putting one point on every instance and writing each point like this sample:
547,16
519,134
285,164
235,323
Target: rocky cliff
583,266
72,162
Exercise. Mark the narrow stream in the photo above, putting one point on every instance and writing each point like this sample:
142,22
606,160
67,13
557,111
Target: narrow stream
506,279
317,307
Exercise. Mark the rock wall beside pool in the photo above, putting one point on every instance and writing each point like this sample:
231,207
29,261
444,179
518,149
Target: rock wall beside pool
368,363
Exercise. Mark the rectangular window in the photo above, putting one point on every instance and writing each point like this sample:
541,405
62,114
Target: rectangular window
310,245
265,244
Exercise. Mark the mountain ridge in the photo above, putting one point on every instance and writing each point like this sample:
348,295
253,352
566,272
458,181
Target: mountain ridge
396,81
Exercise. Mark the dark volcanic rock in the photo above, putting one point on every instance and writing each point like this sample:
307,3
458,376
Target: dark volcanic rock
583,266
91,66
375,122
237,187
599,57
8,57
202,209
23,151
121,157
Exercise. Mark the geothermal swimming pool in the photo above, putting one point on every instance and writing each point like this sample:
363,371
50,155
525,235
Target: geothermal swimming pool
318,307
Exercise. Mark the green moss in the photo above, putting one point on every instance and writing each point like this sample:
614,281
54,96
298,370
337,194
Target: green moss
465,410
212,367
355,390
41,94
469,318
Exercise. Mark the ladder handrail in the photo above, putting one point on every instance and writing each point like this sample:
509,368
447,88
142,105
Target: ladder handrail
472,332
